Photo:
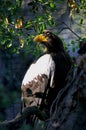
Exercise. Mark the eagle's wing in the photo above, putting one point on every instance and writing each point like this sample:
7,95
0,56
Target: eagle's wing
36,79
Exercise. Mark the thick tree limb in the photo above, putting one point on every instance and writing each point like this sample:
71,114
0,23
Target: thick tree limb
20,118
69,104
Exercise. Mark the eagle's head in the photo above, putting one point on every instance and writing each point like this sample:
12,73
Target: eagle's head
52,42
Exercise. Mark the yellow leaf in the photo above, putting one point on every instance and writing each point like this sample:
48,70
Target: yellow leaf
18,23
21,41
6,20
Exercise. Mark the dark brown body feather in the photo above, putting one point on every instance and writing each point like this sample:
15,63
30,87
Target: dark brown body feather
62,66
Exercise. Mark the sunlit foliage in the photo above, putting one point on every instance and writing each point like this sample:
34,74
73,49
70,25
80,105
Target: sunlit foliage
14,29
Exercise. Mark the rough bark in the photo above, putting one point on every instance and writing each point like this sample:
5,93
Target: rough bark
20,118
68,111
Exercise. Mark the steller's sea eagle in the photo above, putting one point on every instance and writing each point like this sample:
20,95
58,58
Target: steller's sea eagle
46,76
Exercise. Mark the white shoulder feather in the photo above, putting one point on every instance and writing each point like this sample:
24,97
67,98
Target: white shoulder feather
44,65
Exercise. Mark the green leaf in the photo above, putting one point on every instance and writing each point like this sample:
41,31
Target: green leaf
28,24
52,5
72,42
85,13
81,21
50,22
40,0
73,49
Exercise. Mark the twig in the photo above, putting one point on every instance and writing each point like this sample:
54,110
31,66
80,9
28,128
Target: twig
72,30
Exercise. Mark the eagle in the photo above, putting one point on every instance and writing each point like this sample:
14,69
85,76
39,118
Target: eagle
47,75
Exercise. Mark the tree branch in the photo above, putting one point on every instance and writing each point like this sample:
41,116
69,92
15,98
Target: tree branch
72,30
20,118
65,107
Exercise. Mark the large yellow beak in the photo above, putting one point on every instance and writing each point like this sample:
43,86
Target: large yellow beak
40,38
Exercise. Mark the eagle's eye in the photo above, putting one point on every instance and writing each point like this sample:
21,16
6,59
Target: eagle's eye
46,33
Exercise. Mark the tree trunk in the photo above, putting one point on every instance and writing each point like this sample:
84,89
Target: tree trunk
68,111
